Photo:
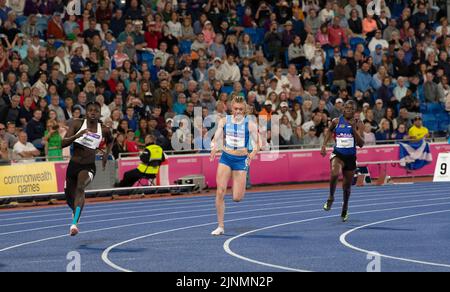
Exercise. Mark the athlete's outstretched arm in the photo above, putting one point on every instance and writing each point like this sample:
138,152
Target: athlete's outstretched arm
70,136
327,138
109,144
218,138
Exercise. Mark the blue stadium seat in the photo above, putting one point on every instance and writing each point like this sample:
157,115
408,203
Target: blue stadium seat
443,121
240,9
20,20
435,108
366,51
421,93
423,108
227,89
286,58
354,42
256,35
329,77
58,44
344,52
430,122
147,57
42,25
185,47
396,9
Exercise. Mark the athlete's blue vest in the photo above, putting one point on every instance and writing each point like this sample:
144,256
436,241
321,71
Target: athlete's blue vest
237,136
345,141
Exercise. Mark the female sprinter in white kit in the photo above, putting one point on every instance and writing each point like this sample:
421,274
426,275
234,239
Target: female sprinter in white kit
241,137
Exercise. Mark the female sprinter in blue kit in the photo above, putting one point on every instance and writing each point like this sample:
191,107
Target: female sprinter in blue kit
239,135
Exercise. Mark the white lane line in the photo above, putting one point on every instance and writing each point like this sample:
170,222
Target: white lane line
168,206
248,201
192,217
105,254
102,207
212,210
343,239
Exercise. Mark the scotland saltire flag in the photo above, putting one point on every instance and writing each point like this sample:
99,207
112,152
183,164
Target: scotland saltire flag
419,152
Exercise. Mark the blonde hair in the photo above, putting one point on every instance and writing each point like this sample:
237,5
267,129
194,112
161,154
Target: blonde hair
241,100
238,99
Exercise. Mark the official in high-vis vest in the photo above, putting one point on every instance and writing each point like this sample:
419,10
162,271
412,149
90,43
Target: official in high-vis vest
151,159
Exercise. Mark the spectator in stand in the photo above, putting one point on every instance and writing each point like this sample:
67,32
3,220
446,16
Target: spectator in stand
384,133
337,35
5,153
52,141
156,42
401,133
369,136
418,131
24,150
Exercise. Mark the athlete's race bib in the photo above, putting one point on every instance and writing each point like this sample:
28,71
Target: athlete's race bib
235,142
345,142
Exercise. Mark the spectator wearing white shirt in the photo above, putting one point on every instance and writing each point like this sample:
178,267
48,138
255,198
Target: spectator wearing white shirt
175,28
219,69
23,150
401,90
283,83
444,23
369,136
314,122
42,85
378,40
162,54
80,43
327,14
284,111
63,60
286,131
231,71
104,109
17,6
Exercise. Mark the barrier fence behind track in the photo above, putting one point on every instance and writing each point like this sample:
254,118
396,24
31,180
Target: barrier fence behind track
276,167
289,166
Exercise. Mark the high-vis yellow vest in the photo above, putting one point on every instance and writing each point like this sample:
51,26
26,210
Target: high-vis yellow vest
156,153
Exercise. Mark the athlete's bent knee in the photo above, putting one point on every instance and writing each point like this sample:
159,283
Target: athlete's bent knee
221,191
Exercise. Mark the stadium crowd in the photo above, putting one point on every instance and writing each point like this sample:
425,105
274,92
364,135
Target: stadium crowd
149,61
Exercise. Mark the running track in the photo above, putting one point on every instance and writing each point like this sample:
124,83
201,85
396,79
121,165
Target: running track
409,225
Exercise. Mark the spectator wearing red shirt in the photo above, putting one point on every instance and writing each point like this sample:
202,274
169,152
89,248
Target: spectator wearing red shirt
112,82
248,19
336,34
103,13
152,36
55,27
131,144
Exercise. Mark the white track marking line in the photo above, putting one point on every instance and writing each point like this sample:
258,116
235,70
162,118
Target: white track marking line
343,239
105,254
